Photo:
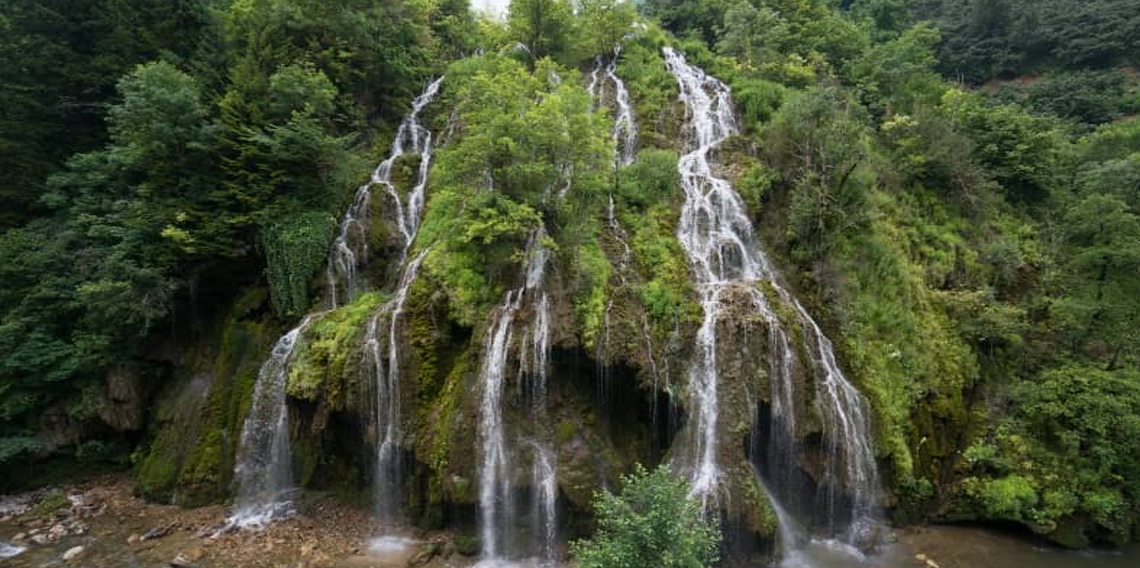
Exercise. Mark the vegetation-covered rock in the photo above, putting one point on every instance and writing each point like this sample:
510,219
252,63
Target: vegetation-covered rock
973,249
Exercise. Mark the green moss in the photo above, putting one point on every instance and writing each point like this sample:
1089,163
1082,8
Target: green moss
188,456
157,474
564,432
321,368
593,271
758,513
467,544
436,444
47,506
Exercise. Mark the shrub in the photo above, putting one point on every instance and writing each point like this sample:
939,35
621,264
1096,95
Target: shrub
653,522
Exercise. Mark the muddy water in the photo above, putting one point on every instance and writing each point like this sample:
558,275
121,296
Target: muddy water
962,547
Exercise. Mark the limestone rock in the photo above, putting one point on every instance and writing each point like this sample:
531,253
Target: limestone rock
72,553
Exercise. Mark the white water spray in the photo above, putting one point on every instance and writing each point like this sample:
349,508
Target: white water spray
263,470
351,245
495,507
718,239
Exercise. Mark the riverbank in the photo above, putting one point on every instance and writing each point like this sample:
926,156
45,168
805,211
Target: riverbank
100,523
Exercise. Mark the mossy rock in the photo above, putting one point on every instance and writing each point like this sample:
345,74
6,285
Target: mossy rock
325,365
467,544
48,506
189,452
1071,532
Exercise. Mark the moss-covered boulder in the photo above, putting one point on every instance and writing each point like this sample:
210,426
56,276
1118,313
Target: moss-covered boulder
194,431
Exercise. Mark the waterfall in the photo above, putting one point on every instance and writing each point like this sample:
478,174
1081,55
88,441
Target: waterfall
624,136
724,253
495,500
625,125
262,471
351,244
264,458
545,483
386,417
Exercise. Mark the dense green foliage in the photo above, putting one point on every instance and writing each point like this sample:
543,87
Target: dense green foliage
232,132
975,250
989,38
952,185
652,522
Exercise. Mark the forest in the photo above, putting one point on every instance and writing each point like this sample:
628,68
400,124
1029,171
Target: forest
950,188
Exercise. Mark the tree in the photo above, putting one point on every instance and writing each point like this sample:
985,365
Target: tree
753,35
1103,277
59,62
816,142
653,522
900,72
603,24
541,26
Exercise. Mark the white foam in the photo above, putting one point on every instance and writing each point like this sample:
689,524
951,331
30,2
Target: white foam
257,517
10,550
504,563
384,545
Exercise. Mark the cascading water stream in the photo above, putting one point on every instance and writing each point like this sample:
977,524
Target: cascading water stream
387,373
721,247
262,473
351,244
545,483
495,499
624,136
387,417
625,125
264,460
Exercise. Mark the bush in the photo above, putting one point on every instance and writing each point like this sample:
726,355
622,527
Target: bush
466,544
653,522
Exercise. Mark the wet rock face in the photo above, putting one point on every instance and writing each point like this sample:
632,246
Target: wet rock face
58,429
194,423
125,397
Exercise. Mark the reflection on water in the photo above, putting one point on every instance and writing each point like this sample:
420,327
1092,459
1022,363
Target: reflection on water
962,547
959,547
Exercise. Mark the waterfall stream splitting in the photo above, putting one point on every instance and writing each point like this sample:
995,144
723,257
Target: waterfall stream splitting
264,460
724,254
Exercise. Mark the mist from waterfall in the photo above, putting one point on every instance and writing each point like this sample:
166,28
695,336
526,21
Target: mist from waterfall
718,238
